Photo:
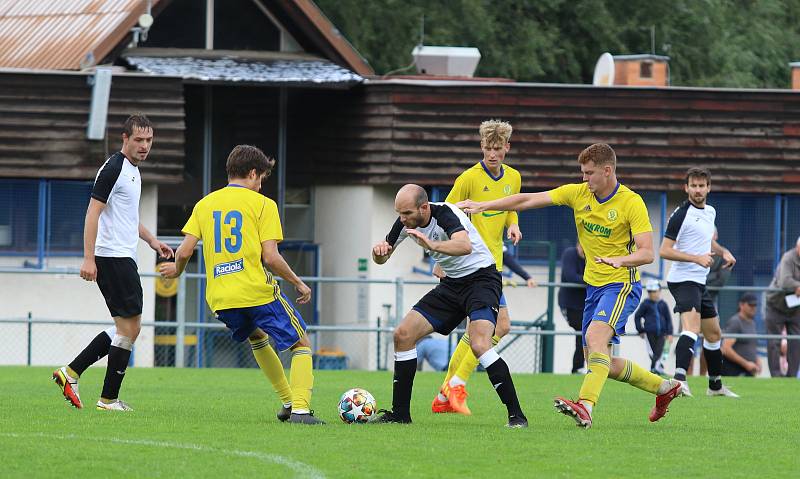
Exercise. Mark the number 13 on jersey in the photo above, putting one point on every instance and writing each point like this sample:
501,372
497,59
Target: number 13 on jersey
233,220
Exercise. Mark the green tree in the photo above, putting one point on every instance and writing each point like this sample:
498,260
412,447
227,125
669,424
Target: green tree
721,43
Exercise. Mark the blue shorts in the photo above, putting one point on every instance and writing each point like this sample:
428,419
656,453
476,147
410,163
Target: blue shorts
278,319
503,303
611,304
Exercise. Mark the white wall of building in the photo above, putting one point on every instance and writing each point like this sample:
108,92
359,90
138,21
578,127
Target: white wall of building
68,297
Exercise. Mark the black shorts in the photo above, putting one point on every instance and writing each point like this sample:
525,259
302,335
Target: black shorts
118,279
690,295
453,299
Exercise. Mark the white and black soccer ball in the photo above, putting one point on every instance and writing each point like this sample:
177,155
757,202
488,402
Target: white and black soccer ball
357,406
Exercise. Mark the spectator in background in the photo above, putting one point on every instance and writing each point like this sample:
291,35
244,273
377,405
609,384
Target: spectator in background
571,300
740,356
653,320
436,350
717,274
780,314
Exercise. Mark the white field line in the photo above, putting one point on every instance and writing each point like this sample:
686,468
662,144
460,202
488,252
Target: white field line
300,469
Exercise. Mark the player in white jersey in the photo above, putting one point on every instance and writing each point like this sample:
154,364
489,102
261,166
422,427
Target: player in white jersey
689,243
110,237
471,287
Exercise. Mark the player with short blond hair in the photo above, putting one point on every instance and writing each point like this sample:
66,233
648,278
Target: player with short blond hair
489,179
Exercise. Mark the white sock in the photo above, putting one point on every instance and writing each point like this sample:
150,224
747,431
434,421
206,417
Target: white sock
456,381
588,406
300,411
441,397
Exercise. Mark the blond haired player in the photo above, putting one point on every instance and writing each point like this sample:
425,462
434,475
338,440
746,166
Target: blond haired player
615,233
487,180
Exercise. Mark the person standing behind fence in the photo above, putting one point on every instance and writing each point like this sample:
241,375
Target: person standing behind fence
110,237
571,300
689,243
654,321
240,229
740,356
614,229
780,315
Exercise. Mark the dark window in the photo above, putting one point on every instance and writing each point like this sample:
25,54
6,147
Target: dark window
66,212
241,25
182,24
41,216
646,70
19,208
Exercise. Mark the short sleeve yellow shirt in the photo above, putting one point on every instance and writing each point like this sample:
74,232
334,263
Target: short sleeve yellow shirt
233,222
478,184
605,228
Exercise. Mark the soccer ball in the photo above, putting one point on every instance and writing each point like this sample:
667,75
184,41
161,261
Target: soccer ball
357,405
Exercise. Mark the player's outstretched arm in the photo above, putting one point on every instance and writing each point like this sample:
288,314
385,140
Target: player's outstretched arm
89,268
275,262
668,251
643,254
183,254
518,202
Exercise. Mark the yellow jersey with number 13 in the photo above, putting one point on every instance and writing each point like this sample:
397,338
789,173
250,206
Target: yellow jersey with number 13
606,228
233,222
478,184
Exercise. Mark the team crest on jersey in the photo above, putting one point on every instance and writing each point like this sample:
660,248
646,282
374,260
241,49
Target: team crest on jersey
229,268
612,215
507,189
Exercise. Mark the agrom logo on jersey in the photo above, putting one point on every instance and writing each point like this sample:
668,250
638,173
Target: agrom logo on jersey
229,267
596,230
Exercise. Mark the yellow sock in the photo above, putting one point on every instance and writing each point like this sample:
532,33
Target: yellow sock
273,369
594,380
462,349
639,377
469,362
72,373
301,377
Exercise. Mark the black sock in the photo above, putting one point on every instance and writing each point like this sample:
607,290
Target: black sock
115,372
684,351
714,361
96,350
500,377
404,372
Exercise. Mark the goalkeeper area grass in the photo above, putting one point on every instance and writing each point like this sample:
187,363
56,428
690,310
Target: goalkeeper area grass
221,423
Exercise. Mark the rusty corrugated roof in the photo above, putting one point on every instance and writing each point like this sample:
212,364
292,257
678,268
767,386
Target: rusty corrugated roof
59,34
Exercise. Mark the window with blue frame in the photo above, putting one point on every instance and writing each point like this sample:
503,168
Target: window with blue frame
42,217
19,220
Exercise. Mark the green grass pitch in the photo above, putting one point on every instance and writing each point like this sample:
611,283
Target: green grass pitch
221,423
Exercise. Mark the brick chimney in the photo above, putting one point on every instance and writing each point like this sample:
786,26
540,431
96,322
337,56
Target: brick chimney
795,75
641,70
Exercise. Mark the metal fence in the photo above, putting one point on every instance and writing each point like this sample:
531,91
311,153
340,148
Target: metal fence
529,347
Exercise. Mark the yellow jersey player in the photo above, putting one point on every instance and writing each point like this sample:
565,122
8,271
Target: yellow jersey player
615,233
240,229
487,180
